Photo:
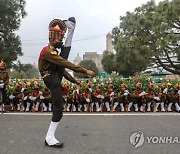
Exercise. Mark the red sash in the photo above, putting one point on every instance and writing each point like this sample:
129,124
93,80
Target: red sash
42,52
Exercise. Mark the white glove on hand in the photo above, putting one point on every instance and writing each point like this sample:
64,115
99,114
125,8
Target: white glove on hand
98,96
126,91
125,94
165,91
32,98
142,93
77,90
102,97
179,92
41,97
2,85
22,90
90,89
112,94
25,98
11,97
87,100
157,98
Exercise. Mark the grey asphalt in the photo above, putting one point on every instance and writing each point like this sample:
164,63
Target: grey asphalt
86,134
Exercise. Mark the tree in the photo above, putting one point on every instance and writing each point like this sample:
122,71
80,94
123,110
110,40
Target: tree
87,64
149,35
24,71
11,14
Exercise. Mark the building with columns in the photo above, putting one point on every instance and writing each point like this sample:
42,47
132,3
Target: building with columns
77,59
95,57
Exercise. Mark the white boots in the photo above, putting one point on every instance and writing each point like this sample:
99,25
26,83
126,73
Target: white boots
129,106
37,106
136,107
2,108
50,107
115,105
98,109
107,106
68,107
169,107
177,107
149,107
122,107
27,107
162,107
50,136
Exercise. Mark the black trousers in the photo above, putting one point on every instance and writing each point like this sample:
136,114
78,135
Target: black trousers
54,84
3,92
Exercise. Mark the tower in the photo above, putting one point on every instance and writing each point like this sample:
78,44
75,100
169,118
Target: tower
109,46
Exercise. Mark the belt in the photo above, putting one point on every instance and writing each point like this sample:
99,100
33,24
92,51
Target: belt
45,74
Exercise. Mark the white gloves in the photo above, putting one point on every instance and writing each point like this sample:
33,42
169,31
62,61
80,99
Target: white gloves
126,92
2,85
11,97
32,98
100,96
142,93
157,98
25,98
179,92
90,89
22,90
165,91
87,100
76,91
41,97
112,94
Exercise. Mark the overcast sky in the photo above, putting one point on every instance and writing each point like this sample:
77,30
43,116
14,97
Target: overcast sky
95,18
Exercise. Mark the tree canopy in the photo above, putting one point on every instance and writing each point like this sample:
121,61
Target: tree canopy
87,64
24,71
149,35
11,14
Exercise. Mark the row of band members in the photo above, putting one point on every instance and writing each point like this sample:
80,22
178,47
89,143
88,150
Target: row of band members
97,101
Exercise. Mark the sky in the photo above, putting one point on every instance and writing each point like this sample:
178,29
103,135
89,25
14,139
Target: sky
95,18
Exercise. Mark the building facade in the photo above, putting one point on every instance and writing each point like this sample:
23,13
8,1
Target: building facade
95,57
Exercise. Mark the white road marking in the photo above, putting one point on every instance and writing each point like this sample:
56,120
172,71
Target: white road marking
96,114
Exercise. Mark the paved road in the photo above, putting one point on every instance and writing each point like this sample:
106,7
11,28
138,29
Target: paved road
89,134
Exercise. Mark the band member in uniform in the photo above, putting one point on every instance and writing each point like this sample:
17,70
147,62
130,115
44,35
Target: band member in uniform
106,101
173,98
139,98
69,101
124,98
98,99
76,99
46,100
51,66
17,96
83,101
4,80
150,96
164,92
93,100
